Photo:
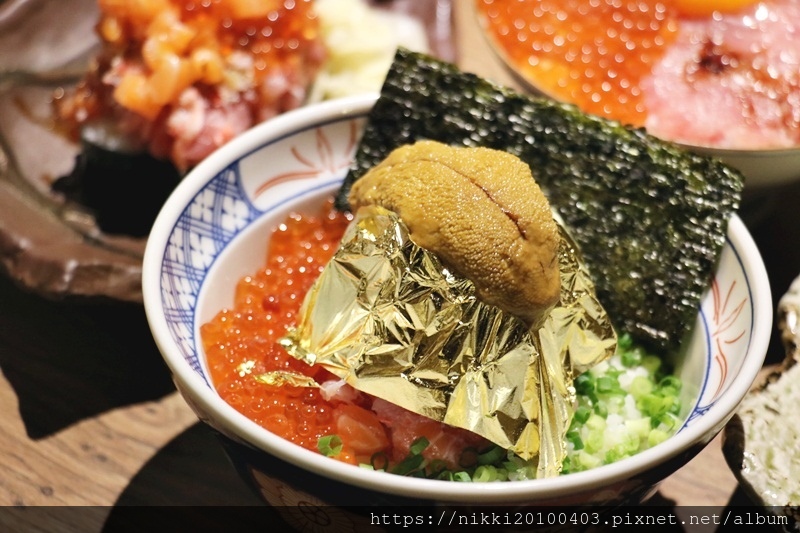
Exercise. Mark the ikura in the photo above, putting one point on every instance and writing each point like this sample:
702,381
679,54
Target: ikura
183,42
592,53
588,52
704,8
242,342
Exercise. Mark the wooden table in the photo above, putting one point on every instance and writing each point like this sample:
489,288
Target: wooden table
90,417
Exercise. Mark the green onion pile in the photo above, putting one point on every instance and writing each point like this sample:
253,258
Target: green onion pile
625,405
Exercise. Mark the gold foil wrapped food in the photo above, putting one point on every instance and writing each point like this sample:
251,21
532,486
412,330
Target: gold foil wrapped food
392,321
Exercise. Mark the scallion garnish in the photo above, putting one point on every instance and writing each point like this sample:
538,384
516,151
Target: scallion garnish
379,461
410,464
330,445
418,446
492,455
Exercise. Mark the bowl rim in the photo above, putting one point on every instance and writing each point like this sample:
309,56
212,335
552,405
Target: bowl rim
204,398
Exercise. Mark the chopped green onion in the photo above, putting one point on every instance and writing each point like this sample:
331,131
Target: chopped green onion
657,436
631,357
461,476
587,460
651,363
412,464
624,342
492,455
639,427
616,403
445,475
574,436
593,441
655,405
670,385
606,390
613,455
600,409
670,381
485,473
608,385
668,421
582,414
379,461
596,422
488,473
584,383
409,465
640,386
330,445
418,446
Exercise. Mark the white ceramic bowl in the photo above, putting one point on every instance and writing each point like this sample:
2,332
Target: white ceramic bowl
762,169
213,230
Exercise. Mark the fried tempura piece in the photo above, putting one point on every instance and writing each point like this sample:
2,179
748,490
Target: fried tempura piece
481,212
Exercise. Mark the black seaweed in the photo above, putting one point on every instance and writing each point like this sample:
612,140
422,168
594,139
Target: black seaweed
123,191
650,218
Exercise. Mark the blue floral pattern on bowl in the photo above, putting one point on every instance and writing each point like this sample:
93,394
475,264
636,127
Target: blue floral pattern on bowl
228,204
214,217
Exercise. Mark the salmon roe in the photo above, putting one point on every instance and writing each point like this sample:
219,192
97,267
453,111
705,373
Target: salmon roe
592,53
241,343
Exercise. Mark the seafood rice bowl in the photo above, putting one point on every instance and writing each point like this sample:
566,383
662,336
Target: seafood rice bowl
210,251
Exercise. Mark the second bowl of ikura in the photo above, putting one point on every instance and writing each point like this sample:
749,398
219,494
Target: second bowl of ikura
716,77
215,230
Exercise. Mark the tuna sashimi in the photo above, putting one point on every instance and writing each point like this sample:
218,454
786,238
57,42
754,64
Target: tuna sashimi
182,78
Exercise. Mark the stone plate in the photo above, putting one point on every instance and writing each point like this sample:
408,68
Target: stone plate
760,441
47,244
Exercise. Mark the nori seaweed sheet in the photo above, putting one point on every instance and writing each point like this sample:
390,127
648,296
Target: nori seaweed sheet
650,218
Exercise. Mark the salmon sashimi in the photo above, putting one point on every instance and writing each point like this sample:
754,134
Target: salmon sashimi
361,432
369,426
448,444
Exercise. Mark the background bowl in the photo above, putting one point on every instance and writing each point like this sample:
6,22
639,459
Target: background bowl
766,170
214,229
763,170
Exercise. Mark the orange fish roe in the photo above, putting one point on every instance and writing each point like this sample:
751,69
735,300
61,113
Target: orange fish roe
241,343
592,53
705,8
